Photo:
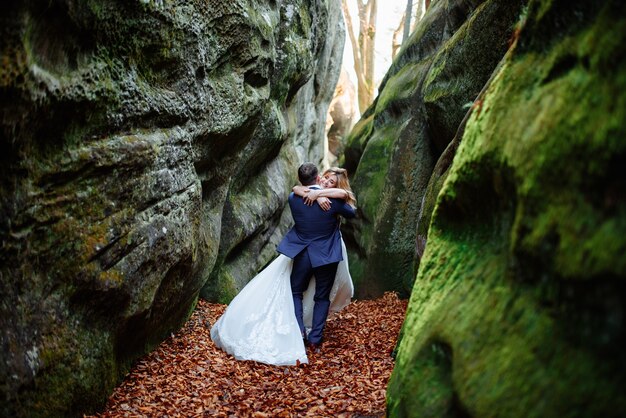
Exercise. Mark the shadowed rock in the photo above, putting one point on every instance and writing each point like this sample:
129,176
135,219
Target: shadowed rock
519,305
147,150
393,149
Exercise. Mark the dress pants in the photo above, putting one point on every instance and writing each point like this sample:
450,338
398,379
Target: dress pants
301,274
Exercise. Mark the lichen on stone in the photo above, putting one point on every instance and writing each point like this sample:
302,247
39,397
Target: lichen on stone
514,309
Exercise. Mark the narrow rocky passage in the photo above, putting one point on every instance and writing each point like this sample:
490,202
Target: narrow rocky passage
187,376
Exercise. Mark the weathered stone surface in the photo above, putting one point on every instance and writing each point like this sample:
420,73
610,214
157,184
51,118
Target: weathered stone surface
341,115
393,149
518,309
254,220
147,149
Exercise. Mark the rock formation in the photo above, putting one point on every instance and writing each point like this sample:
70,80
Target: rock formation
393,149
341,115
147,151
518,309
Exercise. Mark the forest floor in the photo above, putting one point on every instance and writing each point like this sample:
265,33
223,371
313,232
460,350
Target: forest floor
188,376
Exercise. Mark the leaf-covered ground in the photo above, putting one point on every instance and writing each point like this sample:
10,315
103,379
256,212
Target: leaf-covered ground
187,376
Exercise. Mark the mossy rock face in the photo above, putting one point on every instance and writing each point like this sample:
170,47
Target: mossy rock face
518,307
392,151
255,216
147,152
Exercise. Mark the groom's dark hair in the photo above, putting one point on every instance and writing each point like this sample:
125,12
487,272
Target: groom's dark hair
307,174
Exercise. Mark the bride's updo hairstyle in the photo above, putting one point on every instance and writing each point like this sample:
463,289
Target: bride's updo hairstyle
342,183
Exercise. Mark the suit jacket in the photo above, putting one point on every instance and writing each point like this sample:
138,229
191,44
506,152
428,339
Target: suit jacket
315,230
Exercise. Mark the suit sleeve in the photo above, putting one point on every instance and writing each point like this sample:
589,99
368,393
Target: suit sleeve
343,208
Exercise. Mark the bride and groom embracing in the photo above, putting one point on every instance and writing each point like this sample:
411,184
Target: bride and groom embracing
269,319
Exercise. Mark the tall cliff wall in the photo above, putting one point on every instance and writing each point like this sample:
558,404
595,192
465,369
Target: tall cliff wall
147,150
393,149
519,307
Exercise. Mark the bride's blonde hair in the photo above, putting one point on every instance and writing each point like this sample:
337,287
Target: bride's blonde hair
342,183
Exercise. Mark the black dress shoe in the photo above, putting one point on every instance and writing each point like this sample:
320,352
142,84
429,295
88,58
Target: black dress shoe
315,348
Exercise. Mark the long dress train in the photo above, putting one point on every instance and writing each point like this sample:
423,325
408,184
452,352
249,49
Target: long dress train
259,323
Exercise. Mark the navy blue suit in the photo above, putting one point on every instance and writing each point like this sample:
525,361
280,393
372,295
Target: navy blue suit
314,244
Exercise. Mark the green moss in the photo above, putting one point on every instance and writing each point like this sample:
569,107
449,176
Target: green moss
401,85
371,173
522,276
357,268
263,20
360,132
356,142
78,369
221,287
305,20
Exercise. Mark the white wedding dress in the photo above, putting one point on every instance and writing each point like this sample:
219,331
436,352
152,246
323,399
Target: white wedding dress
259,323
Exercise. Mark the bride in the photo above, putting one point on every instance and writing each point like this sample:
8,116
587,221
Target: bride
259,324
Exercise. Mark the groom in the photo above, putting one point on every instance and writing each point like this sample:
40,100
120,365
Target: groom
314,244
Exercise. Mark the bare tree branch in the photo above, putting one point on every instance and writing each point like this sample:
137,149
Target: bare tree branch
355,49
395,42
363,48
407,22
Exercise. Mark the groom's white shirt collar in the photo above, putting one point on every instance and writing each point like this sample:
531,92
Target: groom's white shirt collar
314,186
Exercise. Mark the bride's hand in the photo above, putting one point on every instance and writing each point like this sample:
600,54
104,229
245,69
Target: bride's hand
311,196
324,203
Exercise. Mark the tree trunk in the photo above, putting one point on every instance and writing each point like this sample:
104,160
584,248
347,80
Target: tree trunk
407,22
418,13
395,42
363,49
371,13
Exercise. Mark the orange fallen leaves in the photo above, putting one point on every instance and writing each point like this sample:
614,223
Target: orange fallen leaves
187,376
